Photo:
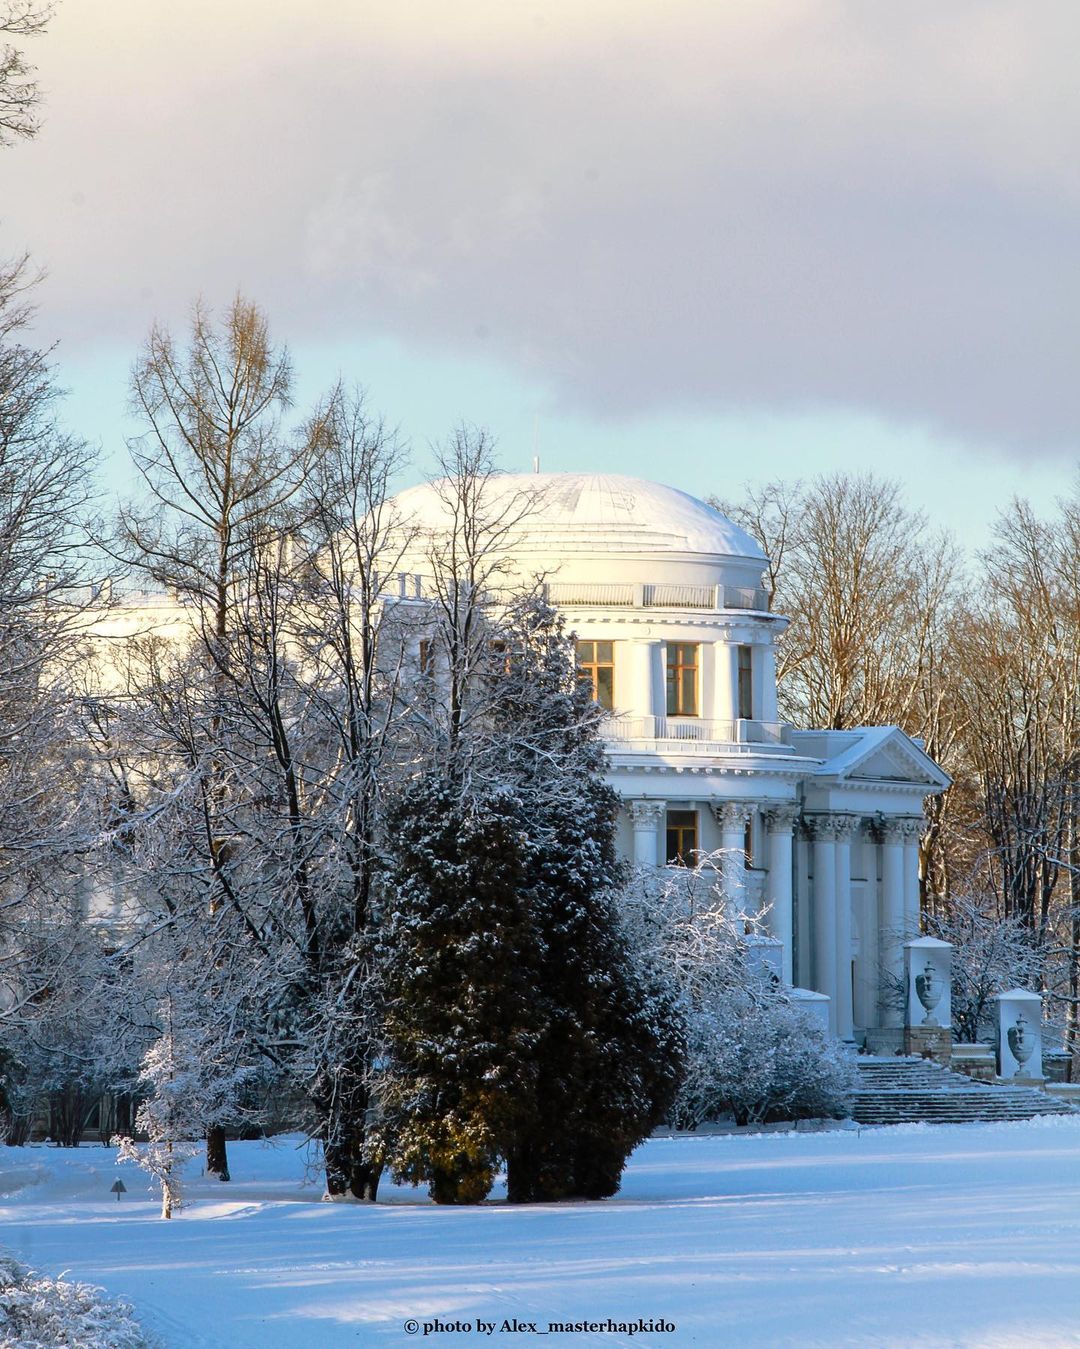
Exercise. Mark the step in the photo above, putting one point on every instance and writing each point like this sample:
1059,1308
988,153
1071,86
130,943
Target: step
903,1090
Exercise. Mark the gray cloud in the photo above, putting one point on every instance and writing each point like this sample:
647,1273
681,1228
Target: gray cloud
690,206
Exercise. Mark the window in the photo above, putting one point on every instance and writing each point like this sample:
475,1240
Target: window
746,682
427,656
596,666
682,679
681,837
500,658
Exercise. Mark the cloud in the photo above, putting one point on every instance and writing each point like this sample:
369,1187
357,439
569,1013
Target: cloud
690,207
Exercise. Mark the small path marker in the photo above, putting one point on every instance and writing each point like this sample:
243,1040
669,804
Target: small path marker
118,1188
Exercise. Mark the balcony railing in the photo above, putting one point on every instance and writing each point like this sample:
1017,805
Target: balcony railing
607,593
662,595
623,730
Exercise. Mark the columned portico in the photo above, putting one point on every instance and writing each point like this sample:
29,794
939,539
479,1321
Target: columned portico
912,833
893,927
821,830
779,821
832,834
733,817
844,827
647,818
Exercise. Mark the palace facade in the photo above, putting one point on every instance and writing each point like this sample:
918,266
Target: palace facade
818,831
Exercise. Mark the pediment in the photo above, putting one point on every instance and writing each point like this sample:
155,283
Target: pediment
889,764
884,754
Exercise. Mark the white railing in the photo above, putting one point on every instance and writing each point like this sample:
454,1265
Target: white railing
657,595
617,594
671,595
741,732
743,597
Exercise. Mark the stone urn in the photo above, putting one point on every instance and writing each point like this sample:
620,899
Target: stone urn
1019,1019
929,986
1021,1041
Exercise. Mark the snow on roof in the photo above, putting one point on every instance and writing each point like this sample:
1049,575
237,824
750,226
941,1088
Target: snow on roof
842,752
598,512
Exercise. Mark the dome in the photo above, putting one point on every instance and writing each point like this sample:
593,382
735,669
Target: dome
594,513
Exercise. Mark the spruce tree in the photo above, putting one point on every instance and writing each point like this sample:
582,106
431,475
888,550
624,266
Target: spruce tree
608,1061
458,947
520,1027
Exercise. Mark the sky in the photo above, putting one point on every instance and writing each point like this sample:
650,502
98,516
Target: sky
705,243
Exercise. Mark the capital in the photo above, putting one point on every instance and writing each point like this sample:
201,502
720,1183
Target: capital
830,827
647,814
733,815
914,829
899,829
780,817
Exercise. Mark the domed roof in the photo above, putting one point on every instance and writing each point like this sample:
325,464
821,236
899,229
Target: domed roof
594,513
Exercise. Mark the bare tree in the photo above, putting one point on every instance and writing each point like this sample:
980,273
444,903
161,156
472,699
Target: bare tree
222,470
469,571
870,592
18,87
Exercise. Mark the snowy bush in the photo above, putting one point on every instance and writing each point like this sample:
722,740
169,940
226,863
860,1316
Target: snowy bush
41,1313
759,1056
750,1051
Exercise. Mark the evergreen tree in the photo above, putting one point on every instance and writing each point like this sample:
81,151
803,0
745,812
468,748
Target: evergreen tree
520,1027
608,1061
459,980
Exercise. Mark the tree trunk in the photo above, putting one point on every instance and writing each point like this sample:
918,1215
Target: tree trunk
217,1161
347,1173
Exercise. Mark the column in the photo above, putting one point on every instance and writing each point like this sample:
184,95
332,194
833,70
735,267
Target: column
867,962
647,818
765,658
821,830
733,817
844,827
891,834
779,820
912,831
804,911
725,705
643,691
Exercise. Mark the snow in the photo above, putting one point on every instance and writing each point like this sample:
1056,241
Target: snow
915,1235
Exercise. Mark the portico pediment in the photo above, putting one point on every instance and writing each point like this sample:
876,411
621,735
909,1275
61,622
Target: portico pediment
889,764
884,755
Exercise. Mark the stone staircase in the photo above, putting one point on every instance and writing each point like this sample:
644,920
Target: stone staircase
901,1090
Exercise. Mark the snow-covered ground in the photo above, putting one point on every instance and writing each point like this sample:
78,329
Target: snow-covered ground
929,1236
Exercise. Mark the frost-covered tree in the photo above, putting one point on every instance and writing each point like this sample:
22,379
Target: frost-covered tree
750,1051
250,766
49,795
220,467
609,1058
188,1079
990,955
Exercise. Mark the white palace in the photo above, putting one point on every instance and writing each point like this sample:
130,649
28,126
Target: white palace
817,830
